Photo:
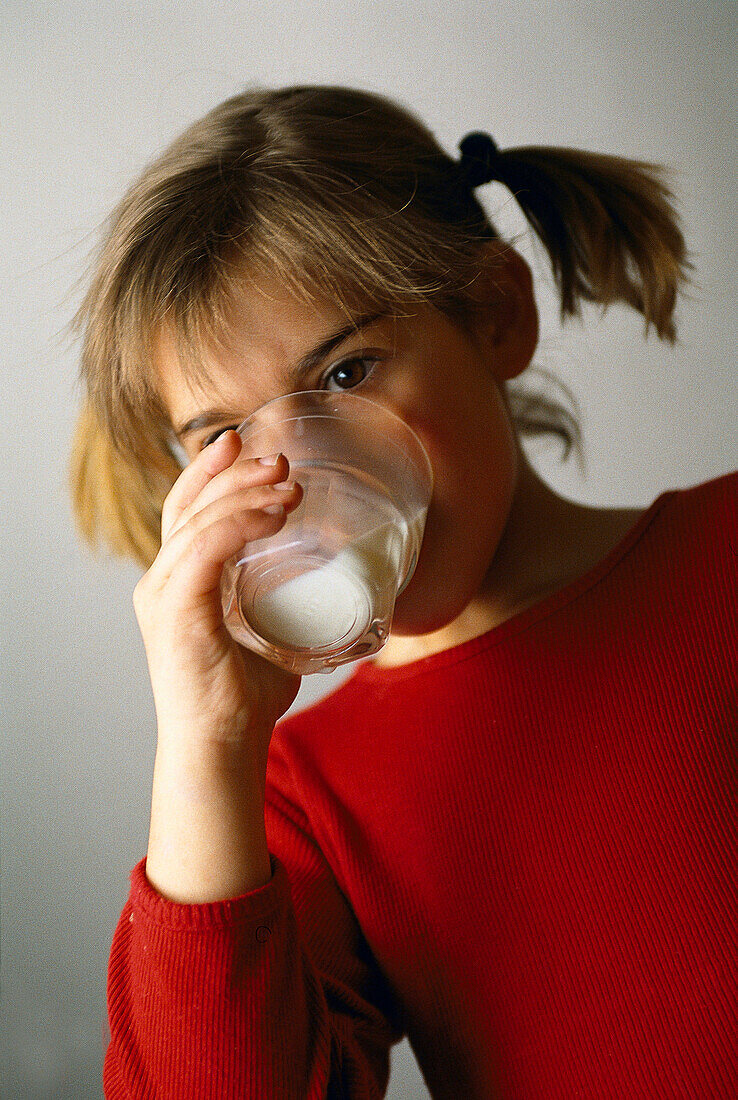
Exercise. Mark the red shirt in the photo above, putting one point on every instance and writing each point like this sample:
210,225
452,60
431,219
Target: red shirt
516,852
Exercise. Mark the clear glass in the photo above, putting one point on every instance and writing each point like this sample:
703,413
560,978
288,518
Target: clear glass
322,591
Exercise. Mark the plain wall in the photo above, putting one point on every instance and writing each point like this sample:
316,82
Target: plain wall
91,92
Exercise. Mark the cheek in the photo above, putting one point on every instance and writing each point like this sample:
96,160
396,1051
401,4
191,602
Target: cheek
473,459
474,466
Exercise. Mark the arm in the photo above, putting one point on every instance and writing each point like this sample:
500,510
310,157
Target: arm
273,994
217,987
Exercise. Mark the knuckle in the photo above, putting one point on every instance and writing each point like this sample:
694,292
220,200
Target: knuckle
141,599
169,508
166,510
174,492
139,591
200,545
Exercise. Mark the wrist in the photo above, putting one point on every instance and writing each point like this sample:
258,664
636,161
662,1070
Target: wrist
207,839
213,750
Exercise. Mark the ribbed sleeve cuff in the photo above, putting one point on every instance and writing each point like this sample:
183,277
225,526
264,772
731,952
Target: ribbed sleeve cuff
254,906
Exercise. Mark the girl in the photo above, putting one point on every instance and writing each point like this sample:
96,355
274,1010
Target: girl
506,837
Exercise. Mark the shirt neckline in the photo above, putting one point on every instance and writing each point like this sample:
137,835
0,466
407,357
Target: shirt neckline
368,673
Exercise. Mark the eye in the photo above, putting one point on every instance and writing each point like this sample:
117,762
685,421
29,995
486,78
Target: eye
214,435
349,373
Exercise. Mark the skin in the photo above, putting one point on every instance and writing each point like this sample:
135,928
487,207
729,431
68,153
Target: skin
497,540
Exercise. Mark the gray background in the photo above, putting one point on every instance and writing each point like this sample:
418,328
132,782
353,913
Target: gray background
91,92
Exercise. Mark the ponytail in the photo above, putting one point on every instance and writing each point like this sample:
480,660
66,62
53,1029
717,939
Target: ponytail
608,224
113,500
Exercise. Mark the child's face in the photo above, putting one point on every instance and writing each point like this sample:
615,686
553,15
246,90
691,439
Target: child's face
440,381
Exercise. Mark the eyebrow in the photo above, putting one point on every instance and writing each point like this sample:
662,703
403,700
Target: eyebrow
211,417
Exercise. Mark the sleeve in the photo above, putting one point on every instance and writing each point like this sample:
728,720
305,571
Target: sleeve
273,994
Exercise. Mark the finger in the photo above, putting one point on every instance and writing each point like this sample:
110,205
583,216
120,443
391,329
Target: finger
239,502
211,460
197,571
243,473
221,454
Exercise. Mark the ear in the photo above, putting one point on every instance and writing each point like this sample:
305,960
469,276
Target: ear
505,315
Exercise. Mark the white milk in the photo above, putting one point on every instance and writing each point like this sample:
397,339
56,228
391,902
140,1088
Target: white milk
335,602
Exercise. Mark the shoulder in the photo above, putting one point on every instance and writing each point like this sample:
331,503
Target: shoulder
707,512
719,489
690,546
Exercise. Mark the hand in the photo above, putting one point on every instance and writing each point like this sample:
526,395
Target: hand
206,686
216,703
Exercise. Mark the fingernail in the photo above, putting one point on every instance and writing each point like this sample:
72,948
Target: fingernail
273,509
219,438
270,460
285,486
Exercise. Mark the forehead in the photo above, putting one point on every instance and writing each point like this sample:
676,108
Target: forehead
265,331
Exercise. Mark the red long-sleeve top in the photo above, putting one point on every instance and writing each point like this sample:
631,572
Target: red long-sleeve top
517,852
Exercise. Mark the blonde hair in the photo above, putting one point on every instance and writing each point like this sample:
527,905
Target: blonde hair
345,195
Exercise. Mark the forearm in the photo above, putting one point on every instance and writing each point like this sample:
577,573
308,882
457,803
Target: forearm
216,703
207,839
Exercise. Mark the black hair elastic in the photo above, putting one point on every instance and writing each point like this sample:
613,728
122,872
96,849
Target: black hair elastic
480,157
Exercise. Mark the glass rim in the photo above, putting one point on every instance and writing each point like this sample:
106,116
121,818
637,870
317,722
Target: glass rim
323,397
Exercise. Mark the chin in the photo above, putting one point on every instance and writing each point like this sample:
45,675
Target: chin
449,574
418,613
